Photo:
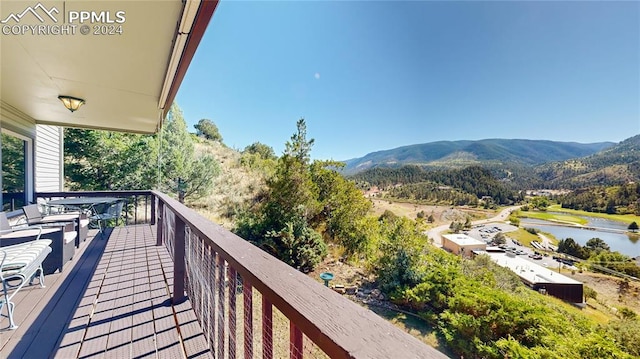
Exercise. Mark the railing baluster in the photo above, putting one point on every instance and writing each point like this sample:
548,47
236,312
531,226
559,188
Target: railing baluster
267,329
126,210
247,294
146,204
295,341
232,313
153,209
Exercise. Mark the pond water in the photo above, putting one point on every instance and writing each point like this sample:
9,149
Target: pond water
621,242
600,222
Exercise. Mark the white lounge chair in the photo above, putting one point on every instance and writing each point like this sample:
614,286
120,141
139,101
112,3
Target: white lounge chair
19,264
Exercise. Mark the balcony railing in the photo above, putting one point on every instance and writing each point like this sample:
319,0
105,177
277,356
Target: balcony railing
139,205
248,303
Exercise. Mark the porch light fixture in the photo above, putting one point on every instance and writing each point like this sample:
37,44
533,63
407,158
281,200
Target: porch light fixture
71,103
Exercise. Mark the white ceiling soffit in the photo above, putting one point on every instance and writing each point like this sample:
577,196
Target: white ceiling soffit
119,56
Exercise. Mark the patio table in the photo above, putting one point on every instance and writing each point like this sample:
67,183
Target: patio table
82,201
86,204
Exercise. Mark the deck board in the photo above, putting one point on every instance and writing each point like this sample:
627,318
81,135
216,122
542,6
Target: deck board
167,340
143,334
97,331
119,338
112,300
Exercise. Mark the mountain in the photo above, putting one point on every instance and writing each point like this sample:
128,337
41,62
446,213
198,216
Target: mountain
465,153
618,164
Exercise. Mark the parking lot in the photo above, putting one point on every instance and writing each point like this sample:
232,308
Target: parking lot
486,232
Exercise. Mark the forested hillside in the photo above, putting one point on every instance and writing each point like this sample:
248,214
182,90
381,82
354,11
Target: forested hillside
525,165
617,165
473,180
621,199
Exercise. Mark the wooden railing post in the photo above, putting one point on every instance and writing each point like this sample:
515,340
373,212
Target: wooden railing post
179,268
153,209
159,227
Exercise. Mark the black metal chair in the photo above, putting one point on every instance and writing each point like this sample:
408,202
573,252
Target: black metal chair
107,212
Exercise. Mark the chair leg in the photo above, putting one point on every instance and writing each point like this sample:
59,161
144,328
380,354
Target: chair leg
41,279
2,306
10,307
100,231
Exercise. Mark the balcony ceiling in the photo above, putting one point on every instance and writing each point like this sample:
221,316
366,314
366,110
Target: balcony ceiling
128,80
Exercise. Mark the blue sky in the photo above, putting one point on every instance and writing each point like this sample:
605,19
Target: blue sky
374,75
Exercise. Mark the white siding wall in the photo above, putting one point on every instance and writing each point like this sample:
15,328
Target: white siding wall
49,159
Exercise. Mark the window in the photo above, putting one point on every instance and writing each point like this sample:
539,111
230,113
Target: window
14,171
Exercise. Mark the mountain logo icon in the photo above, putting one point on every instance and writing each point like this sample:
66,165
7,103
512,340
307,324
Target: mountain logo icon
35,12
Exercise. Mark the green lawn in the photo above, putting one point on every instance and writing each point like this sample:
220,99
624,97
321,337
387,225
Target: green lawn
626,218
563,218
525,237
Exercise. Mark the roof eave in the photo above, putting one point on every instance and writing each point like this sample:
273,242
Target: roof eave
188,49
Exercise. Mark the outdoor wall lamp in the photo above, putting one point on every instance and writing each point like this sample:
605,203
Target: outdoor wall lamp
71,103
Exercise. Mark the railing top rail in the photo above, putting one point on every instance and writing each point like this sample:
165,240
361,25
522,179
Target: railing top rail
94,193
338,326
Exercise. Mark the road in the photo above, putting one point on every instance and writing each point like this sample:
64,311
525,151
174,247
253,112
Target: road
436,232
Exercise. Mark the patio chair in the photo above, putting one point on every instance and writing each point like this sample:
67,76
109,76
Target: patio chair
106,212
7,231
20,264
33,214
61,234
47,209
80,220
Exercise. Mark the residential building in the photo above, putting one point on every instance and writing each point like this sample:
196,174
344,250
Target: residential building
462,244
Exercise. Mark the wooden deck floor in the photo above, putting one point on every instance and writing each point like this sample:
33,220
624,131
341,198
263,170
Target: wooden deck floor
111,300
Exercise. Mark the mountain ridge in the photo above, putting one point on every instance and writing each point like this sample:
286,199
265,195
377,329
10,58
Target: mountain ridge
469,152
617,164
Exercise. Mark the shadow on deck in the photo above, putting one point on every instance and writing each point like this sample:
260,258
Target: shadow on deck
112,299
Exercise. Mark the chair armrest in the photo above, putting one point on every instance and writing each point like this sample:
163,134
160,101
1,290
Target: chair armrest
55,224
24,229
18,229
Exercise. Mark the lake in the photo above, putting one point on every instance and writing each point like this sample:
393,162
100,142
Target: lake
623,243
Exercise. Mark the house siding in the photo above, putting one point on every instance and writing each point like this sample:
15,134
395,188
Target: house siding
49,159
